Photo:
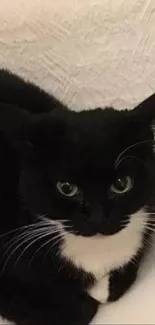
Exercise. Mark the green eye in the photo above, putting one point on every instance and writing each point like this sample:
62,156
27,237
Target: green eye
67,189
122,185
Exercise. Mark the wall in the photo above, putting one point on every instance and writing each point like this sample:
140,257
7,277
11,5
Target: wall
87,52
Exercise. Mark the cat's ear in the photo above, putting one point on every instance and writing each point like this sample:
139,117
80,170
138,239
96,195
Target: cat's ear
145,111
48,131
15,124
25,130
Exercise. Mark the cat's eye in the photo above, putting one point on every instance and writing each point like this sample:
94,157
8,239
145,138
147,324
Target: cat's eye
122,185
67,189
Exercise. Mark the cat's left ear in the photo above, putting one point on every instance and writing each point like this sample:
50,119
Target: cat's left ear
145,111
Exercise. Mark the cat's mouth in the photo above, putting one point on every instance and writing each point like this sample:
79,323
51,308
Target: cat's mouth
90,229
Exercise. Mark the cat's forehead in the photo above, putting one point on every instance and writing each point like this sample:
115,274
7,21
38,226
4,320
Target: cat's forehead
96,138
99,133
99,120
92,143
101,124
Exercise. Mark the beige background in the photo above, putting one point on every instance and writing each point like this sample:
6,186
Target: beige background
88,53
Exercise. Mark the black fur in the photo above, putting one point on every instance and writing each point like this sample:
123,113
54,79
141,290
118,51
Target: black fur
42,142
121,280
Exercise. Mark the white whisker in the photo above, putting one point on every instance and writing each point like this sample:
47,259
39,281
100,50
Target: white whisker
33,225
150,229
16,239
129,157
152,223
148,240
146,213
50,240
44,221
63,235
129,147
17,247
28,237
31,243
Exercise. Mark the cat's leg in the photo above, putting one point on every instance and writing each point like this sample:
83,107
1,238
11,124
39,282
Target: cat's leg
121,280
112,286
30,304
100,291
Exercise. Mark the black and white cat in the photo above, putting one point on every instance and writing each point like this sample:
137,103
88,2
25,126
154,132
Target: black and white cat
76,204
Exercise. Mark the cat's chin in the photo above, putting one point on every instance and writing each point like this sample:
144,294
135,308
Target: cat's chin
86,233
90,232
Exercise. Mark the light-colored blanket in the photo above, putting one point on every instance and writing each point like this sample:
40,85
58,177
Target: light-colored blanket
88,53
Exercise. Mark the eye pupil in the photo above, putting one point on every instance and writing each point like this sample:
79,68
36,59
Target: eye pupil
66,188
120,184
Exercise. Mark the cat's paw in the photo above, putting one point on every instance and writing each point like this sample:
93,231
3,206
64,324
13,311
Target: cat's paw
100,291
121,280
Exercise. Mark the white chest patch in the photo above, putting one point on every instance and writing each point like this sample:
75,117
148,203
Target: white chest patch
100,254
5,322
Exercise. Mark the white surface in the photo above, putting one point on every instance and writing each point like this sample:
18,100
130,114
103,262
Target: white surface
138,305
88,53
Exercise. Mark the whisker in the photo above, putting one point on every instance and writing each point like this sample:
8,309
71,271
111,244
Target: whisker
44,221
16,239
131,146
150,228
50,240
146,213
31,243
17,247
62,220
29,232
55,222
27,236
134,260
63,234
23,227
152,222
130,157
125,221
57,241
36,227
41,237
140,215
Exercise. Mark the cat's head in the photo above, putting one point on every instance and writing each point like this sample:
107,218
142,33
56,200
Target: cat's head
93,168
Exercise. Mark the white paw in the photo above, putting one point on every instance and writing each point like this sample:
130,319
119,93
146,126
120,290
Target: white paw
100,291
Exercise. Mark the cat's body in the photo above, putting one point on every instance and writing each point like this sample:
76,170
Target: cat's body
85,241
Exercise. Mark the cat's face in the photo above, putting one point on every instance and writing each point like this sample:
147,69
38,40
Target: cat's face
93,169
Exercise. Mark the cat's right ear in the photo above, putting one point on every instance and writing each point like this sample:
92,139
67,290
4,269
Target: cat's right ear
26,131
16,124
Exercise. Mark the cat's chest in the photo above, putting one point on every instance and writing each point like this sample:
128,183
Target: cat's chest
101,254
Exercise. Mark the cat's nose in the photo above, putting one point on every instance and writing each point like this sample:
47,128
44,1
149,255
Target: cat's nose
85,204
96,216
94,213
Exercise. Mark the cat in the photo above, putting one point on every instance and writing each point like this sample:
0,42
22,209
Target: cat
77,204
